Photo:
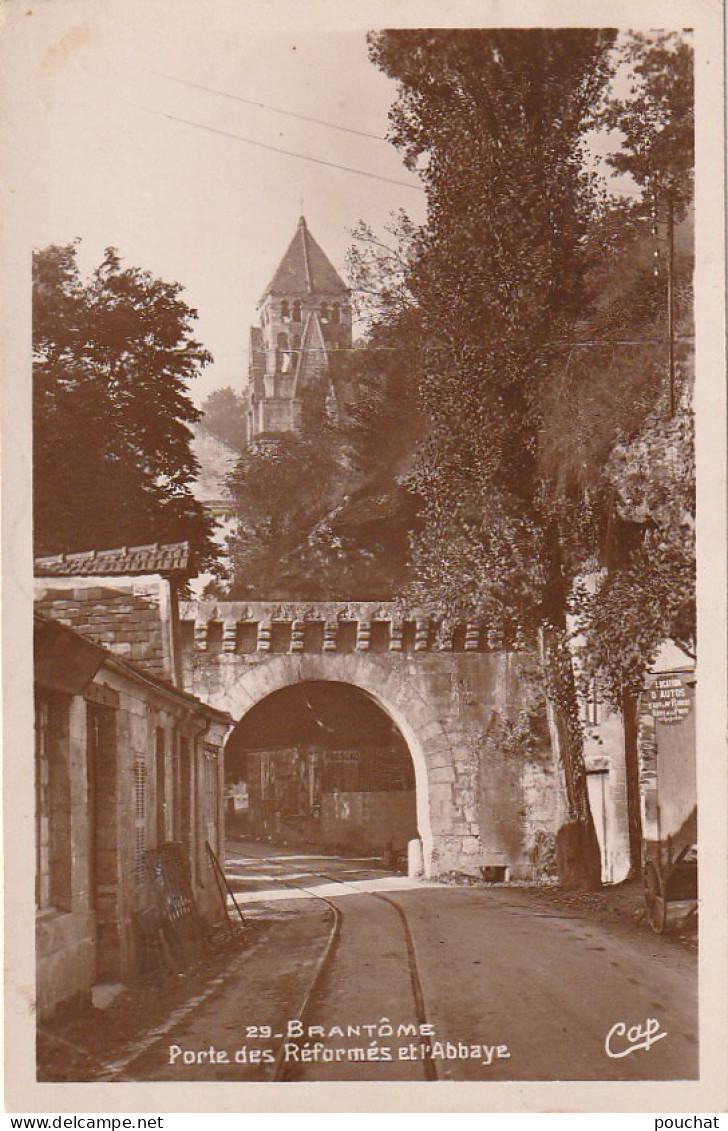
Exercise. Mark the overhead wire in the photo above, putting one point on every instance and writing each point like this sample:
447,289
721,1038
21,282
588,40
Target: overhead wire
285,152
343,168
435,348
267,106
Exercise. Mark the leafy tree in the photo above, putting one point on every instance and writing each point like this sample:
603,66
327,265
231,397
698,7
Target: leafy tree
112,359
641,488
282,487
656,118
383,424
378,269
649,596
494,121
223,416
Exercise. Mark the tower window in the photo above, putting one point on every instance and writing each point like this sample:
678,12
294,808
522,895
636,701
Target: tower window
284,354
324,312
297,310
285,311
336,313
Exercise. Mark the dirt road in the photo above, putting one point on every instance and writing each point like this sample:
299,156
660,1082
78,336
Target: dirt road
364,975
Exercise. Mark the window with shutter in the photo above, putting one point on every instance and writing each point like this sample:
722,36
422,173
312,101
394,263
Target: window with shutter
140,819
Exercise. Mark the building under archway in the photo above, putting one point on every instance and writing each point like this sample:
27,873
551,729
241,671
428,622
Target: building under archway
322,763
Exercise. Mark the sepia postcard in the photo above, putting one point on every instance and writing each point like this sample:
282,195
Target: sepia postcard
363,556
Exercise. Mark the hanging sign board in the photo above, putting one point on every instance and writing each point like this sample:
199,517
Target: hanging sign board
668,699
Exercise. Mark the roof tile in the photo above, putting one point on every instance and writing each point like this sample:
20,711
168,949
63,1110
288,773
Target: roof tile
125,560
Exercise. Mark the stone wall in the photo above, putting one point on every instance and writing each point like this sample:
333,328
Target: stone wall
475,803
115,806
65,924
130,616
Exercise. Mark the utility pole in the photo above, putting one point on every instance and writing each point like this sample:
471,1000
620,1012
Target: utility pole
671,297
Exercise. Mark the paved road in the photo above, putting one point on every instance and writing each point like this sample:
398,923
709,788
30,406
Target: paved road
425,981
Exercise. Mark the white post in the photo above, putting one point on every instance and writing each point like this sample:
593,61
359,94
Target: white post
415,859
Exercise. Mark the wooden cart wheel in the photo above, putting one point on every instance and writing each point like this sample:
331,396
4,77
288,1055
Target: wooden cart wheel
656,904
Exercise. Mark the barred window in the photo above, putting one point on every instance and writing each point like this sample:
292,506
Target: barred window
140,819
42,803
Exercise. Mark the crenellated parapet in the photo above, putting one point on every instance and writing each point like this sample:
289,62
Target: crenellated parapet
259,628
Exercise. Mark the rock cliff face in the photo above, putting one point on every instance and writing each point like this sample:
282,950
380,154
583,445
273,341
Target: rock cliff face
654,474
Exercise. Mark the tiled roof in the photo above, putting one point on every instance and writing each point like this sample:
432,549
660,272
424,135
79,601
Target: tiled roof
305,269
125,560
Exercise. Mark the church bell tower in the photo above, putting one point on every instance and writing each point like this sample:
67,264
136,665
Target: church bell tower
305,315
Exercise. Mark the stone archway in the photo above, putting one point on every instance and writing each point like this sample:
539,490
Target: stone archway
417,722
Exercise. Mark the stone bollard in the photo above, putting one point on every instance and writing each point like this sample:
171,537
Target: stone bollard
415,859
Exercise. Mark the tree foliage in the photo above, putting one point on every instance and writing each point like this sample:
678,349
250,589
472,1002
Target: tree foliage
112,359
494,121
223,415
648,595
378,269
281,488
656,117
644,592
545,306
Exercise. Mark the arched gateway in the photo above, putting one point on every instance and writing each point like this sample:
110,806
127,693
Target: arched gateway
426,740
478,805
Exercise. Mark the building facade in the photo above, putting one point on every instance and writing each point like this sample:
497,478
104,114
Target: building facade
125,761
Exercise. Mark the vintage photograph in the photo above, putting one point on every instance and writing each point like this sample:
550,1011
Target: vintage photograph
365,657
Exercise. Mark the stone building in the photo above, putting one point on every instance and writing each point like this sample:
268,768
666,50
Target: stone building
305,315
125,761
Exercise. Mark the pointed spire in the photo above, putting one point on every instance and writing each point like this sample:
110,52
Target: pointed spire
303,230
305,269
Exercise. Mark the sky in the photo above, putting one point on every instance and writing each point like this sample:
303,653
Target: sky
97,86
94,91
